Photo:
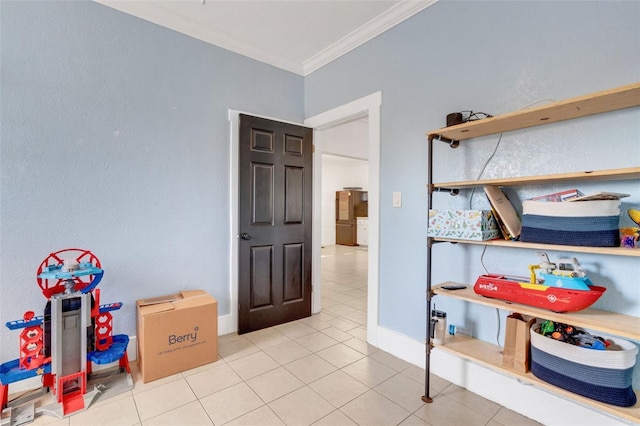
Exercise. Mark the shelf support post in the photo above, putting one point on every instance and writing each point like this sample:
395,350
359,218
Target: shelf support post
427,368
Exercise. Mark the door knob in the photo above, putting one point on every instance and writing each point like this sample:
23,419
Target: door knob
245,236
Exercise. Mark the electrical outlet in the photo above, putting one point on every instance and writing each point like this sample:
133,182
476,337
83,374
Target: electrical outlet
397,199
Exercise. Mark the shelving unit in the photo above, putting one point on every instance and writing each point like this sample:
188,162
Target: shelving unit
487,354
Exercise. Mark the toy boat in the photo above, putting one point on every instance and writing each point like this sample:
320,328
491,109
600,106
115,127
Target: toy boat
566,273
563,289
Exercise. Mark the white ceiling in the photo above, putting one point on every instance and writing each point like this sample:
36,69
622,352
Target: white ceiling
296,35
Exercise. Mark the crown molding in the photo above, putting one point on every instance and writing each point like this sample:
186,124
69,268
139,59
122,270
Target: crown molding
383,22
157,14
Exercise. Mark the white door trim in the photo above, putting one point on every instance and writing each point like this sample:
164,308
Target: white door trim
368,106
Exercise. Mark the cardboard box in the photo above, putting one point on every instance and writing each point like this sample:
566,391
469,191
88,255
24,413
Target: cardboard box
176,333
463,224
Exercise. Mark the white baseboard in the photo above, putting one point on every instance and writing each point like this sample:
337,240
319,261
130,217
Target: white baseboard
226,325
526,399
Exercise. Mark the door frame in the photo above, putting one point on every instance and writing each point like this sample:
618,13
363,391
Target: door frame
368,106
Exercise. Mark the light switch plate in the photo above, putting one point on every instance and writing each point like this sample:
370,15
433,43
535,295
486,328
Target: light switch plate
397,199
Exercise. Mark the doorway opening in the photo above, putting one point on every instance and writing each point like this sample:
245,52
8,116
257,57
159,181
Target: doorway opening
367,109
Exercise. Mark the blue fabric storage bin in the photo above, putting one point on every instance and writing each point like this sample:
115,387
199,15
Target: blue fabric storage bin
580,223
604,376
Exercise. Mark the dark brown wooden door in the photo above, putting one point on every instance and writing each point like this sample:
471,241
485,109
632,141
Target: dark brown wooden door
274,280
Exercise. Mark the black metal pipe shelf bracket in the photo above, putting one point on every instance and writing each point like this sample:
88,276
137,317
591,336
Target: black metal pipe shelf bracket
452,142
451,191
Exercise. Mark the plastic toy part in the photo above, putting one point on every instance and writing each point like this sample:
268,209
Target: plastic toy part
69,270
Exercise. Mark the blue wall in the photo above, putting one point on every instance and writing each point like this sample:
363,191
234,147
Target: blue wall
115,139
493,57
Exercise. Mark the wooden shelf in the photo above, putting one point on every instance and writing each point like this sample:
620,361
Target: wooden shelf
490,356
629,173
594,319
614,251
582,106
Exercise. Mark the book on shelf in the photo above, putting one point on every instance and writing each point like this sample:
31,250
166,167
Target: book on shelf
600,196
567,195
576,195
506,216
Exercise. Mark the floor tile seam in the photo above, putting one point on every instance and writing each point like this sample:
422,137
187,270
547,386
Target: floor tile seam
406,409
227,360
239,358
328,414
274,328
316,329
347,320
346,365
341,288
218,390
178,377
349,417
339,298
354,377
301,335
212,365
135,404
352,399
260,374
227,344
273,346
265,351
251,411
340,369
443,395
356,422
327,347
470,407
306,385
419,381
164,413
243,414
494,416
299,378
281,396
323,332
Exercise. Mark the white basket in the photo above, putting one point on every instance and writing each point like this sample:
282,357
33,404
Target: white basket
614,359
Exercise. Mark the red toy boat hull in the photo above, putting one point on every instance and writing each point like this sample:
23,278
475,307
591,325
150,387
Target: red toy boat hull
553,298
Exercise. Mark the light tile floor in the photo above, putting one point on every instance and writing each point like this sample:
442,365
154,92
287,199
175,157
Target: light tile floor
318,370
